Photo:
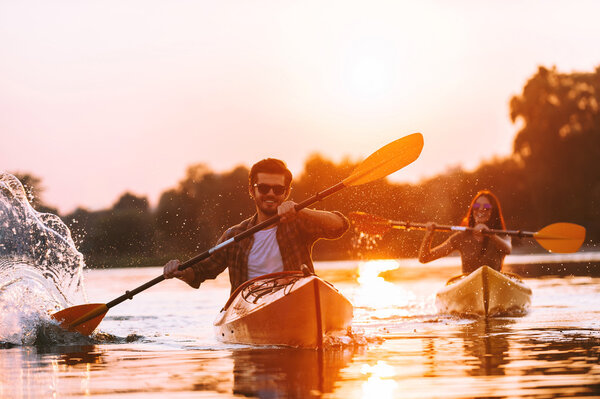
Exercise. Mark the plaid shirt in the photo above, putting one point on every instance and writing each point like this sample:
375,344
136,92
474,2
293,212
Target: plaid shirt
295,239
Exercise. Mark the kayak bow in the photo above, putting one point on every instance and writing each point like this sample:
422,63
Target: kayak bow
287,308
485,292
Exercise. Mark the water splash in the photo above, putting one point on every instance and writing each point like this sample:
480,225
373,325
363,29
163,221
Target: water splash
364,242
40,267
350,338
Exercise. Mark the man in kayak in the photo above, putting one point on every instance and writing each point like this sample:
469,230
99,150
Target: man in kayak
476,248
285,246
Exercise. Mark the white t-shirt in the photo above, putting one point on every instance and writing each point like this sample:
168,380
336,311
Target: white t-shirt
264,257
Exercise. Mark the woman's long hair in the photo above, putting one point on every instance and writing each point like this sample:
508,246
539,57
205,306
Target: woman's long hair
496,220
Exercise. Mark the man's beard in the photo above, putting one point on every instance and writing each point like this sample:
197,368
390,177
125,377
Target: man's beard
269,211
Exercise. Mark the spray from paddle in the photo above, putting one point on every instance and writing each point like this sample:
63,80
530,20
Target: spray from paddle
364,242
40,267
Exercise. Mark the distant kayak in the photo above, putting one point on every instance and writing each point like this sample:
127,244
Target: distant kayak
484,292
287,308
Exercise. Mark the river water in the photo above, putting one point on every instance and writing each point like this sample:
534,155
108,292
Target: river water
161,344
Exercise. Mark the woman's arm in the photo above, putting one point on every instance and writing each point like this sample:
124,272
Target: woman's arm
427,254
501,242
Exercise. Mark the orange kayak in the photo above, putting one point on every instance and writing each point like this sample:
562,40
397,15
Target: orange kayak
287,308
484,292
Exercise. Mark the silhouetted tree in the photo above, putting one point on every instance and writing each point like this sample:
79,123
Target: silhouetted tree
129,201
559,144
121,236
192,216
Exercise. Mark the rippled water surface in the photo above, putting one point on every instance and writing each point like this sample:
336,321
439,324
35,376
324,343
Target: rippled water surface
161,344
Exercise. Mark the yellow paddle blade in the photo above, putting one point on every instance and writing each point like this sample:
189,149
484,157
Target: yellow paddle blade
81,318
369,224
387,160
561,237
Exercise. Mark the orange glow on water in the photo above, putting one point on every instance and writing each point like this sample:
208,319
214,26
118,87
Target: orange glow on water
380,383
384,298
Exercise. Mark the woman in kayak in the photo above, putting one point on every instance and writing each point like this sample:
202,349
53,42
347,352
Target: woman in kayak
476,248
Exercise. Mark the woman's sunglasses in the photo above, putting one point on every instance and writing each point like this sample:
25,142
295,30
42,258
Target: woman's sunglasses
264,189
485,207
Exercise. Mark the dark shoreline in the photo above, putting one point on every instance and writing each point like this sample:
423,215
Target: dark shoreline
560,269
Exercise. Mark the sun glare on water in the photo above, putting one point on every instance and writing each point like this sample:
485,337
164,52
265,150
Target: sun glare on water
380,383
385,298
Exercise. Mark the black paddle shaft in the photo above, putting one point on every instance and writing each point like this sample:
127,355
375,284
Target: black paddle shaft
245,234
441,227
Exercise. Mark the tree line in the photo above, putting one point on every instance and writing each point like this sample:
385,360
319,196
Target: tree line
552,175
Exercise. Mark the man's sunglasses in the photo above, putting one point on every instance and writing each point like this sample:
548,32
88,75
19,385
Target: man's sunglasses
486,207
264,189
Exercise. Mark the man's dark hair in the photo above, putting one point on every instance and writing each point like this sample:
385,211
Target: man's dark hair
270,165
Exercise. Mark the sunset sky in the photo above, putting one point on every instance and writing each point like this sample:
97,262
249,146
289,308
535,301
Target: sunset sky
102,97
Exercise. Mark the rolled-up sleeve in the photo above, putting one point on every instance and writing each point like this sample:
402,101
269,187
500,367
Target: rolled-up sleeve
212,266
318,231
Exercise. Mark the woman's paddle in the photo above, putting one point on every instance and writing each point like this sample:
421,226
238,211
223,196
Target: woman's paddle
557,237
388,159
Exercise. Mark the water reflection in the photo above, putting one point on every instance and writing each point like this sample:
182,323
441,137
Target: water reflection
486,344
291,373
80,355
384,299
380,384
557,351
37,372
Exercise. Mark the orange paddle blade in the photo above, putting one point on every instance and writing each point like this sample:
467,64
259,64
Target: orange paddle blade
81,318
561,237
387,160
369,224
